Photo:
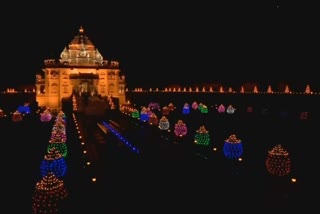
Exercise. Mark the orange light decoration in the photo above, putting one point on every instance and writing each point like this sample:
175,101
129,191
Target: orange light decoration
17,116
49,195
165,111
2,114
278,161
171,107
153,119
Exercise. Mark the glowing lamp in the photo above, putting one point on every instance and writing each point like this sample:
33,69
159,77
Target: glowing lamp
278,161
180,129
202,136
232,147
2,114
24,109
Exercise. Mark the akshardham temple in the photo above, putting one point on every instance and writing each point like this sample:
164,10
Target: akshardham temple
80,71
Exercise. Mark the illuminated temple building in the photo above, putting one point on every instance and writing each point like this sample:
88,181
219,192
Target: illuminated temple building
81,71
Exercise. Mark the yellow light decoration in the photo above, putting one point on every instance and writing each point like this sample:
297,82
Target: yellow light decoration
278,161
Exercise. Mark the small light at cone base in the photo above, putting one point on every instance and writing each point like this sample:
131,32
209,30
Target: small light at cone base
239,159
94,179
88,163
80,137
84,151
214,149
82,143
293,180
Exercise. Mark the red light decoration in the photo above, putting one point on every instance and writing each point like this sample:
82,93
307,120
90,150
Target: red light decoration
180,129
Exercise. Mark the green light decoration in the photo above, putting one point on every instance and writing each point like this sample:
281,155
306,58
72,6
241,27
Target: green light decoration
61,147
135,114
204,109
202,136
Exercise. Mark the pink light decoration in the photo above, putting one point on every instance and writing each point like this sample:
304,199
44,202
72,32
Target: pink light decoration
194,105
221,108
180,129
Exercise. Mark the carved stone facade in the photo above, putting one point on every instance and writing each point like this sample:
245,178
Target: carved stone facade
81,70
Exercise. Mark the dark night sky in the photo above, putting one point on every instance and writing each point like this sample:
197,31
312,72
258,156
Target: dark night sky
229,41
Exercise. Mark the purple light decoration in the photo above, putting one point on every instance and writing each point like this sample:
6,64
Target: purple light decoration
180,129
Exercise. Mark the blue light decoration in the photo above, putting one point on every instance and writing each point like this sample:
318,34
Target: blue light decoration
164,123
180,129
24,109
53,162
202,136
121,138
278,161
144,116
186,109
230,109
232,147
